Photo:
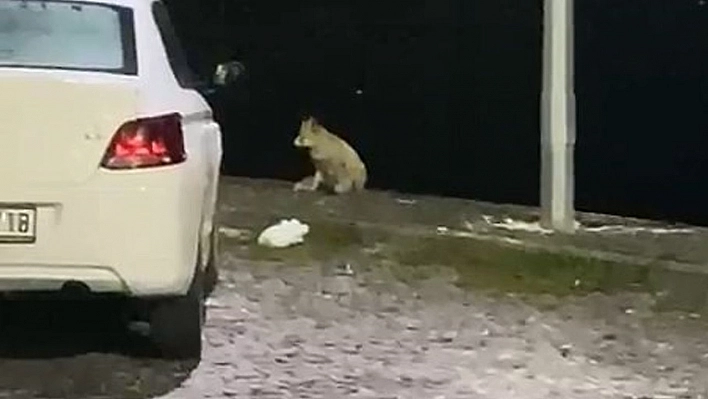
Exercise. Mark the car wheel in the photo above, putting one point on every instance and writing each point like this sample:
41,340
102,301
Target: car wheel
211,272
176,323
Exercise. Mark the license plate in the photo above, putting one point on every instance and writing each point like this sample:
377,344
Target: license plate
17,224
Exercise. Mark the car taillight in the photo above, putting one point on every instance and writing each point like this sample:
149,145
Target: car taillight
146,142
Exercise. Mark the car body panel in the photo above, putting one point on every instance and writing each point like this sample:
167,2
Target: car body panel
137,232
58,138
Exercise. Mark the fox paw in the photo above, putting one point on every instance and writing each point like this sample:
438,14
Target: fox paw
341,188
303,186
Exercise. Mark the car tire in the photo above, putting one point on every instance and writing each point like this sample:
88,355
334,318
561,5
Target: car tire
176,323
211,271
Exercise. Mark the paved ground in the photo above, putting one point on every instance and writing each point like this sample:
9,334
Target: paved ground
333,319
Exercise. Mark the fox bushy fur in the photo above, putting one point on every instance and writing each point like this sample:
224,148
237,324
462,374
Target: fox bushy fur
338,167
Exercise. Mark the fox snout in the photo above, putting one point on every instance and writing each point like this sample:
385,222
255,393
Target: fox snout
299,142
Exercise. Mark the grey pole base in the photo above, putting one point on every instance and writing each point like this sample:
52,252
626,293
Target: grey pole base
558,118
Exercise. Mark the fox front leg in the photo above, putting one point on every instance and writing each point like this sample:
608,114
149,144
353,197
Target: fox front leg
310,183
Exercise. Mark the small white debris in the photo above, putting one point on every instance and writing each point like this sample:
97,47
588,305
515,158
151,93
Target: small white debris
515,225
231,232
576,283
214,304
405,201
463,234
284,234
512,241
442,229
346,270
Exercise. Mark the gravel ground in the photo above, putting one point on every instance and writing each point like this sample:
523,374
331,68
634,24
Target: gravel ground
294,332
291,331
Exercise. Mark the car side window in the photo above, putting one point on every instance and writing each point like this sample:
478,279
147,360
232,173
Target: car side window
175,52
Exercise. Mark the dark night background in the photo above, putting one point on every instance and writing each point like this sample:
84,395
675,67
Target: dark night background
450,94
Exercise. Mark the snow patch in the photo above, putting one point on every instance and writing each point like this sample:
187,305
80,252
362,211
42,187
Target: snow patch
637,229
518,225
535,227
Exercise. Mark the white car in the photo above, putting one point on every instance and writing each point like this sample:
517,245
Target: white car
109,161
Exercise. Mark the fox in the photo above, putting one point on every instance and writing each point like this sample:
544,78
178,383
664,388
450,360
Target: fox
338,166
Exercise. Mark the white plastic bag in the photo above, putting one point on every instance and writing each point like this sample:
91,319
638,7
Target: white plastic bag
285,233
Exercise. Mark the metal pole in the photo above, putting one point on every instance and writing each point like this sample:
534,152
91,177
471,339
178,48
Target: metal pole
558,118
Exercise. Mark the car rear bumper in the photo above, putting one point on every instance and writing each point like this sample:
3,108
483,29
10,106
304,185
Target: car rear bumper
27,277
133,232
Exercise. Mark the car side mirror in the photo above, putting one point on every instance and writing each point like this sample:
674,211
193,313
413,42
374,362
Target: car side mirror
227,73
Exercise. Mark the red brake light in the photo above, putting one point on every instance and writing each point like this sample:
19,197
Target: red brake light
146,142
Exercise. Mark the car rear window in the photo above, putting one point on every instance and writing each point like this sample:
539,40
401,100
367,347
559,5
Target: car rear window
67,35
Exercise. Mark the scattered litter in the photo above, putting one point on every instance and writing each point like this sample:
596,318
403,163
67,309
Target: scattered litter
576,283
232,232
442,229
284,234
345,270
405,201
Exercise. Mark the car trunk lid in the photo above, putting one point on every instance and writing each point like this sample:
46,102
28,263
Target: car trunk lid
56,131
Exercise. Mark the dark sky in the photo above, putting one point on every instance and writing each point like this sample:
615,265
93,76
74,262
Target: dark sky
450,90
642,89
